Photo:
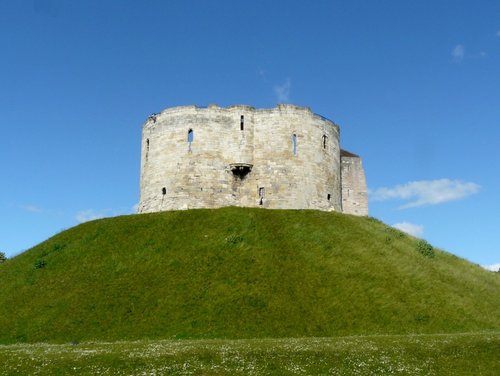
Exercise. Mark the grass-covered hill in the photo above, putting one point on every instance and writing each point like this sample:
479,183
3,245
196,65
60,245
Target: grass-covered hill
239,273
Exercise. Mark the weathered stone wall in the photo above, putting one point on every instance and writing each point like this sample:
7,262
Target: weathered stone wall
240,156
354,193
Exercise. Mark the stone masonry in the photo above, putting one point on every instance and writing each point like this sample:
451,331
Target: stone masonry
281,158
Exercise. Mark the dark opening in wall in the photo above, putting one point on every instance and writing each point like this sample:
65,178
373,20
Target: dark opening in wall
328,196
190,135
147,148
240,170
261,195
242,122
294,144
164,191
325,139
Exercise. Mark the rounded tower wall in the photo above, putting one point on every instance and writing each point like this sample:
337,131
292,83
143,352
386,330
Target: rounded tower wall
240,156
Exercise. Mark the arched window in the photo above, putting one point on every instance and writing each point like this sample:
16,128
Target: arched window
190,135
294,144
325,139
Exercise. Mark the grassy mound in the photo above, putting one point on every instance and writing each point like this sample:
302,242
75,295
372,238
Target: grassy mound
239,273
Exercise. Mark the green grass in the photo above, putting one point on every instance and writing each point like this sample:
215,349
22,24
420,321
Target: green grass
426,355
239,273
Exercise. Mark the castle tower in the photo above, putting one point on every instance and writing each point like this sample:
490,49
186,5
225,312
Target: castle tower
281,158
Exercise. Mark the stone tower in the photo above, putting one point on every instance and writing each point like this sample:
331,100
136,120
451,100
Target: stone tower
281,158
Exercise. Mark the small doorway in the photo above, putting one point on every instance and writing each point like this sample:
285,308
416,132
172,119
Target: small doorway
261,195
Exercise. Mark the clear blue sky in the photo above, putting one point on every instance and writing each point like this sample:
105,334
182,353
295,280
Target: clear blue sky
414,85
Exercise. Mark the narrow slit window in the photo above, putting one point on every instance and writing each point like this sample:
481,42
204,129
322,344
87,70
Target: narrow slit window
328,196
242,122
147,148
190,136
164,191
325,139
294,144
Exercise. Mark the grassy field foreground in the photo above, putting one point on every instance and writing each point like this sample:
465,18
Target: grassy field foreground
447,354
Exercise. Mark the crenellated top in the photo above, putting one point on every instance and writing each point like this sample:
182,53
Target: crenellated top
280,108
